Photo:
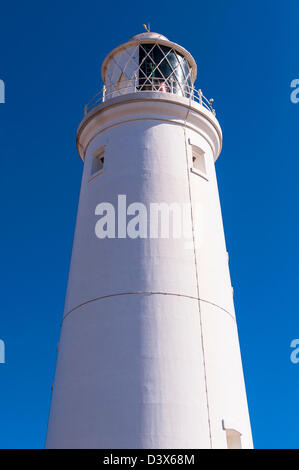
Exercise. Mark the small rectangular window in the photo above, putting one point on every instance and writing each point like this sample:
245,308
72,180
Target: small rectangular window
98,160
198,160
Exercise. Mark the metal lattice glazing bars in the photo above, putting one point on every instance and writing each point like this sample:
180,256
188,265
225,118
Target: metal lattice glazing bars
162,69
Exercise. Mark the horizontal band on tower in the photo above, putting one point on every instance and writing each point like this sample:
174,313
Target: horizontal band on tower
145,293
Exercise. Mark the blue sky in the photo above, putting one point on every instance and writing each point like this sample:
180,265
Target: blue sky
247,54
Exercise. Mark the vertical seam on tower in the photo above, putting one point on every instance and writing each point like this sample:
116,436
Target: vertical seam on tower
196,273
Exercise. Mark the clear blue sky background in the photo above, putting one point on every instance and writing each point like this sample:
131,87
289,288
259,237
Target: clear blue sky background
50,58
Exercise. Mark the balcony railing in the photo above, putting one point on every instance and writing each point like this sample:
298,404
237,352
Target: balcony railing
153,84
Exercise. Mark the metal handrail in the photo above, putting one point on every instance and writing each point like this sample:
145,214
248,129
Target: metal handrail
152,84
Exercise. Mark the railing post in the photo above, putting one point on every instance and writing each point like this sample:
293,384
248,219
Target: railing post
135,82
171,84
200,96
104,93
191,92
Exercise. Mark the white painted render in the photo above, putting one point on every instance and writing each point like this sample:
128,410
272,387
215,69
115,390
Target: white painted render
149,354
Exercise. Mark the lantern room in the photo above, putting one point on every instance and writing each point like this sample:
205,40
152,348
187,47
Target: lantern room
148,62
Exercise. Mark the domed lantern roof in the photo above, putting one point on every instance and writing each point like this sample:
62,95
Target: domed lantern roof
148,35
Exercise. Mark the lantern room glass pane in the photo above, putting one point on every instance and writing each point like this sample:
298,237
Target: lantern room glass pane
163,69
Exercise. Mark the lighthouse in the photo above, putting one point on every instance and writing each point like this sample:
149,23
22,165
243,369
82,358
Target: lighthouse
149,354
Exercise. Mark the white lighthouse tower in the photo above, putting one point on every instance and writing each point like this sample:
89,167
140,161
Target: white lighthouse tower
149,354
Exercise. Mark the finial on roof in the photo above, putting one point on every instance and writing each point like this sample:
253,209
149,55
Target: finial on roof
147,27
